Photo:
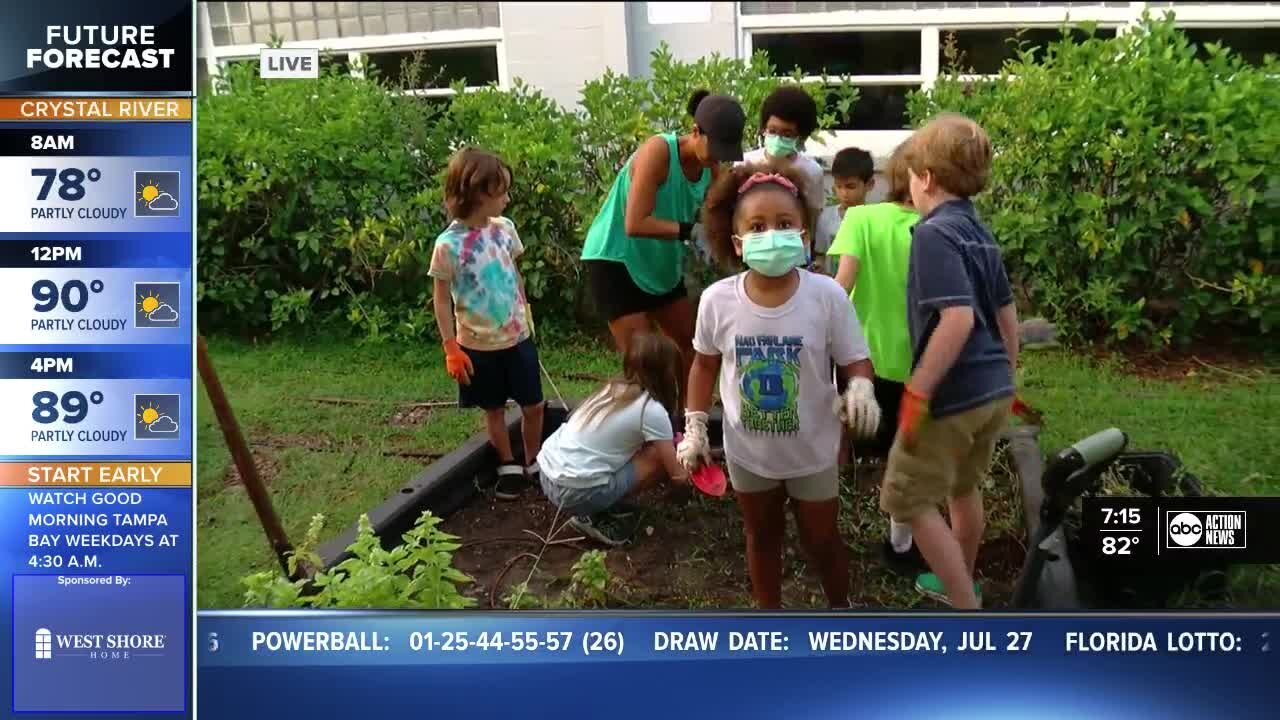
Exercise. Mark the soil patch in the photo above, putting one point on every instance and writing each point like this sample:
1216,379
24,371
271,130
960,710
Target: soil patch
266,462
1215,361
285,442
410,416
689,552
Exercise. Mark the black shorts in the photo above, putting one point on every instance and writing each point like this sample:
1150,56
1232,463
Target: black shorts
616,294
500,375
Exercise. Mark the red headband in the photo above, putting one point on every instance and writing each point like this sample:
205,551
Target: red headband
761,177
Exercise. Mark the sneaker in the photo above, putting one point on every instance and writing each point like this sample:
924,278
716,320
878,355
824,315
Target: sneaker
907,564
601,528
931,587
511,482
623,509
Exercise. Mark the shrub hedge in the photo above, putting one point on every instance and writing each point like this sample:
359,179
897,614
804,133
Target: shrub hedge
321,199
1135,190
1136,185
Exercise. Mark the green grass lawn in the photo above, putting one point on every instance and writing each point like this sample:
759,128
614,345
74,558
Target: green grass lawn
341,460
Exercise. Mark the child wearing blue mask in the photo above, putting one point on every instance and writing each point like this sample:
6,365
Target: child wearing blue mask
770,334
788,117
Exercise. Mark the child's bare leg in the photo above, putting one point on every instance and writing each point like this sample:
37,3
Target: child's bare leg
495,423
945,557
765,521
967,525
820,537
648,467
531,431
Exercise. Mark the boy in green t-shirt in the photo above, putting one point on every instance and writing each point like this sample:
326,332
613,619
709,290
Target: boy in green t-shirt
874,248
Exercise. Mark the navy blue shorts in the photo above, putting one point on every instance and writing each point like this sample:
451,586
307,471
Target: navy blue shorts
501,375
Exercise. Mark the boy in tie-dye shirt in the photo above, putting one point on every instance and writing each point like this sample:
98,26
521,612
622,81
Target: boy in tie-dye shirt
482,313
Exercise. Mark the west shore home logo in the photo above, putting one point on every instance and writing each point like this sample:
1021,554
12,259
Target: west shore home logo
50,645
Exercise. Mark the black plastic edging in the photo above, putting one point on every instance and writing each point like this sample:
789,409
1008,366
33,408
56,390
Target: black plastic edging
448,484
442,487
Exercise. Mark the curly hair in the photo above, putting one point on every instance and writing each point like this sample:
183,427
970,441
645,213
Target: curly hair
722,202
794,105
695,99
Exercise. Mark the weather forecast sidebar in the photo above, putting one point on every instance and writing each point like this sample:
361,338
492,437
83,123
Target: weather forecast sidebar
97,310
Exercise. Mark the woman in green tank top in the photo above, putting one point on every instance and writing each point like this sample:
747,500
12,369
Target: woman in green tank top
634,252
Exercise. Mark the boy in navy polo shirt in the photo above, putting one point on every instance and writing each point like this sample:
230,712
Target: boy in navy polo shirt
965,347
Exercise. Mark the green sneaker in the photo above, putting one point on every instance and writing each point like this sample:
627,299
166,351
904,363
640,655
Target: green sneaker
931,586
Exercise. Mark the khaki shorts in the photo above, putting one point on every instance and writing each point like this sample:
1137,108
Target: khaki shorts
818,487
950,457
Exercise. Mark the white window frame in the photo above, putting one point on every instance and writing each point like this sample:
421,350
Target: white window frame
357,46
932,22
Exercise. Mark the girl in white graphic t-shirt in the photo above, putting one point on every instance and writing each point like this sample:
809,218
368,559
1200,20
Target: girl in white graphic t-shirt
771,334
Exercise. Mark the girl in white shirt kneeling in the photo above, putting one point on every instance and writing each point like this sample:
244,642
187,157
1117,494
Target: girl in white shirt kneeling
618,443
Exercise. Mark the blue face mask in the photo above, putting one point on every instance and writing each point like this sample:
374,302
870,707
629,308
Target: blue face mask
773,252
779,146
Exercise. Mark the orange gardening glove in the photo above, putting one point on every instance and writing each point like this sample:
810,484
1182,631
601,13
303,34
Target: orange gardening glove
1028,414
457,362
912,413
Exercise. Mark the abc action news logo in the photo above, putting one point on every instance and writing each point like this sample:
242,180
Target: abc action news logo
1216,529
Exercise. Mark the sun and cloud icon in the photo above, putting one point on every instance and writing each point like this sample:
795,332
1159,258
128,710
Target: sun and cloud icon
157,416
157,193
158,304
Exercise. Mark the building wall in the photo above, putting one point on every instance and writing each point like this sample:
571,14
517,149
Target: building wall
558,46
688,41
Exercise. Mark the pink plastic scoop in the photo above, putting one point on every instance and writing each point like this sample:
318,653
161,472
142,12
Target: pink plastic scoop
709,478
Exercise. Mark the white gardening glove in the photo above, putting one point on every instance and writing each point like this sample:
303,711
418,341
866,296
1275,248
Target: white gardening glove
694,449
858,408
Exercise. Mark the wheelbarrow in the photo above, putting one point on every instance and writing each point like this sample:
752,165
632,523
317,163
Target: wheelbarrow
1059,572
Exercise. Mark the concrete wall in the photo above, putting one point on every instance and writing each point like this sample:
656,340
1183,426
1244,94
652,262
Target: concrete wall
558,46
687,41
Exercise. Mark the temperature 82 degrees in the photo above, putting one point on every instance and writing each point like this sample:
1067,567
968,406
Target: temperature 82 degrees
1120,530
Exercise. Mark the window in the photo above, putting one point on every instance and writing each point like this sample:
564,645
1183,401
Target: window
44,644
340,62
245,23
461,41
879,107
476,66
1251,43
984,52
889,49
843,53
783,8
883,64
